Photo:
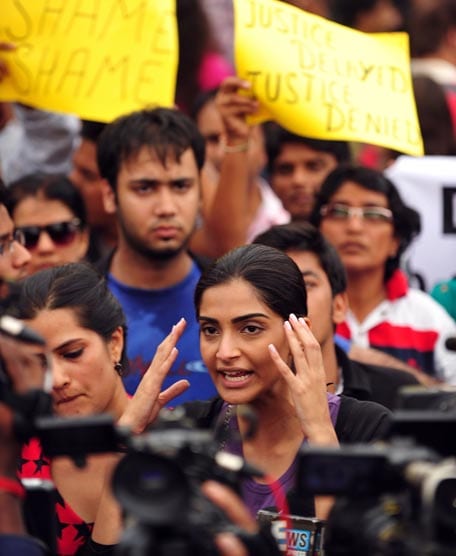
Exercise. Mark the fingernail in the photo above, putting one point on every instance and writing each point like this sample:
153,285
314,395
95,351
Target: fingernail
287,325
272,348
293,317
302,321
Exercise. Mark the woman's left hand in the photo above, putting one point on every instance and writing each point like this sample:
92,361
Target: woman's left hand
148,400
307,384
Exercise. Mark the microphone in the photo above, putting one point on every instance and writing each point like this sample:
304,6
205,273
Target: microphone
450,343
14,328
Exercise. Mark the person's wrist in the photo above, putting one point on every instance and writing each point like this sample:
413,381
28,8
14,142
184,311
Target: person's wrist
235,143
236,146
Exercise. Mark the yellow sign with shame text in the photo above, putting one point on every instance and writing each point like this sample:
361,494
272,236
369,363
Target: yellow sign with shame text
326,81
94,58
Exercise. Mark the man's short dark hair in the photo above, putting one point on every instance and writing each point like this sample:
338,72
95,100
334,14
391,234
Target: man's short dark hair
302,236
346,12
91,130
3,193
428,28
276,136
164,131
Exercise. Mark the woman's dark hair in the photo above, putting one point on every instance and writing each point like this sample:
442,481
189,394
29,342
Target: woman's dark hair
273,274
406,221
54,187
76,286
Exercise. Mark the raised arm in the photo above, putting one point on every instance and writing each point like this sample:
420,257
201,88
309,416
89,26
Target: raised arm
141,411
225,214
307,385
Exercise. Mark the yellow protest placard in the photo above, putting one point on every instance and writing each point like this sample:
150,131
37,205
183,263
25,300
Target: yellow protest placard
326,81
94,58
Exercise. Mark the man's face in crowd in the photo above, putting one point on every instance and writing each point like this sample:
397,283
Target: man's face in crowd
324,309
157,205
15,257
297,175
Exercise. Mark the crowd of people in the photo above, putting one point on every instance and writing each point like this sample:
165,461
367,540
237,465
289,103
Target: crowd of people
181,257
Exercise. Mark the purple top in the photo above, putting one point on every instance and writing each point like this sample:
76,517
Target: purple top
258,495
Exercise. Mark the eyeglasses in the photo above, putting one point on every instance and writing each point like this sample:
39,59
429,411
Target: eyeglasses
61,233
339,211
7,244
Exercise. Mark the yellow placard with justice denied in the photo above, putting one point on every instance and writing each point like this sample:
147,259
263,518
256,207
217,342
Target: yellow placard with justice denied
94,58
326,81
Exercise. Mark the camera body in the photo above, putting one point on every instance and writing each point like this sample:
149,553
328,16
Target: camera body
158,484
395,498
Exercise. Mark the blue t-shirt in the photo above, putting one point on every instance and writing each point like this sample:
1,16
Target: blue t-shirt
150,316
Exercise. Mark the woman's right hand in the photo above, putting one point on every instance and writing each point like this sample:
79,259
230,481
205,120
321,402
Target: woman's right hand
148,399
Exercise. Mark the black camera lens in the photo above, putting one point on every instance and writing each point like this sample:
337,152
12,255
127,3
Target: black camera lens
445,509
152,488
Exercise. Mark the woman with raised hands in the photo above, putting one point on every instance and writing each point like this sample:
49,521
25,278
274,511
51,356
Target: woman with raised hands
84,328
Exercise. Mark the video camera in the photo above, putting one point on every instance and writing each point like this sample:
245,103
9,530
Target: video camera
394,498
158,485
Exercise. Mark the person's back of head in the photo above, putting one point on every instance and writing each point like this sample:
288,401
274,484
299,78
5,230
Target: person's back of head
369,16
303,237
317,7
430,28
164,131
434,116
406,221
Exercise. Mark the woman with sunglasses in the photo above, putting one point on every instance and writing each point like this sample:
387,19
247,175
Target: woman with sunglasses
49,212
362,214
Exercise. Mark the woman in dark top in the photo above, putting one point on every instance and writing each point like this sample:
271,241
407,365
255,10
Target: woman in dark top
257,344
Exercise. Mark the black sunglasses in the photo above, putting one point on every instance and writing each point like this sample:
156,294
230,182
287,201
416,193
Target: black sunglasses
61,233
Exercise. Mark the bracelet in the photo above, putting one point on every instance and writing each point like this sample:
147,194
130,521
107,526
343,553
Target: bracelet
12,486
241,147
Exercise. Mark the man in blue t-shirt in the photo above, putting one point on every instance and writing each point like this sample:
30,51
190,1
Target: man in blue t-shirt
151,162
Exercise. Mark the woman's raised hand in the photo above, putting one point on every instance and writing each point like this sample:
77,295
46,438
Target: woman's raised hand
307,381
148,399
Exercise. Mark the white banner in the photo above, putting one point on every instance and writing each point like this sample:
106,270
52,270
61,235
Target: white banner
428,184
